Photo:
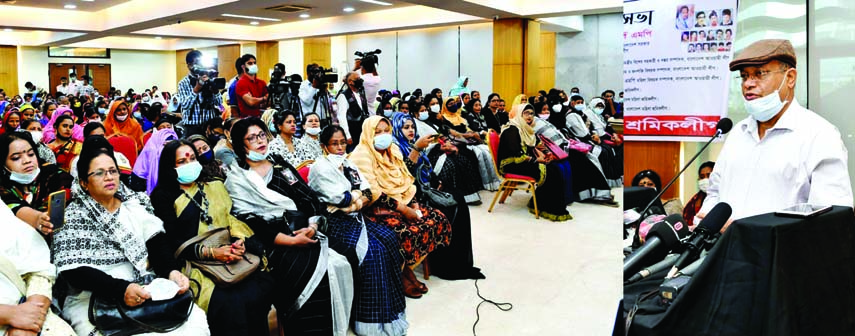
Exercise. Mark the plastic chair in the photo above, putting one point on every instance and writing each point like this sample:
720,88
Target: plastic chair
125,145
510,182
303,169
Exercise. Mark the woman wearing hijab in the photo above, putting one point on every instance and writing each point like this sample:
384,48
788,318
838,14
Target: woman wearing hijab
459,128
454,261
392,198
518,154
11,121
50,131
119,122
64,146
459,87
379,304
145,168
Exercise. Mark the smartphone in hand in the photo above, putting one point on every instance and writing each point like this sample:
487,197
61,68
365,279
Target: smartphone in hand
56,209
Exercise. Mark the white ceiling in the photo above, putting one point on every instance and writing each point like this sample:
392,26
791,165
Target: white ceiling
319,9
87,6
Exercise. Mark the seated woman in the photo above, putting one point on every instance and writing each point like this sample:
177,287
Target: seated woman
391,198
518,155
211,167
314,282
48,108
125,168
475,118
284,143
111,242
11,121
26,182
28,258
693,206
118,122
190,203
28,112
458,128
50,130
380,301
453,261
144,177
223,149
64,146
35,128
310,144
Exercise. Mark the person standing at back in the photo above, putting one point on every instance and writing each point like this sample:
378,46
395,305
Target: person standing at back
352,108
196,102
251,90
233,97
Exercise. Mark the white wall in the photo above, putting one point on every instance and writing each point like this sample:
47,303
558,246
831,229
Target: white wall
128,68
291,55
591,59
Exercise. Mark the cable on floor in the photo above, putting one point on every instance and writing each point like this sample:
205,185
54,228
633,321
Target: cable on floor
503,306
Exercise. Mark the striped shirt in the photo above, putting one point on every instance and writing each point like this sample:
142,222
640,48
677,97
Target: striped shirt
190,104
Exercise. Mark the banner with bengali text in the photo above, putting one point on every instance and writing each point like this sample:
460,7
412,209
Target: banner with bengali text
676,76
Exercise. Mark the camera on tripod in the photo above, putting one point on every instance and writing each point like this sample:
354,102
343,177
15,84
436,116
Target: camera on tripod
279,85
369,58
323,76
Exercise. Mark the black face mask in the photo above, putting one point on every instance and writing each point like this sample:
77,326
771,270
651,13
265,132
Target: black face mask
214,138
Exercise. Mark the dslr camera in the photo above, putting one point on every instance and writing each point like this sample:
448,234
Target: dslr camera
211,86
322,75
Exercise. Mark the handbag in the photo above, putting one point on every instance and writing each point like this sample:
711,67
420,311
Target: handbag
554,148
438,197
221,273
579,146
113,318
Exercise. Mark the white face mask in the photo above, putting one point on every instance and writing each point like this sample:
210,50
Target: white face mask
424,115
23,178
765,108
567,103
579,107
122,118
543,116
598,110
387,113
434,108
556,107
618,100
704,184
37,136
336,159
252,69
313,131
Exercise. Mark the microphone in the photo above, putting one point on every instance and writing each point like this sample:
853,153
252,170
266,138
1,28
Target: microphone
693,267
655,268
662,238
709,226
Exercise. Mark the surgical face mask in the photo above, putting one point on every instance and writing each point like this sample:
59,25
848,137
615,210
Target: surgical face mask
37,136
272,128
313,131
598,110
383,141
252,69
102,110
256,156
566,103
618,100
424,115
765,108
579,107
146,99
189,173
387,113
434,108
206,156
543,116
703,184
138,115
122,118
23,178
556,107
336,159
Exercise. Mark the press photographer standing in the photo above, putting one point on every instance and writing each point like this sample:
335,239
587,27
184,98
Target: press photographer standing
251,90
352,108
197,103
309,91
367,67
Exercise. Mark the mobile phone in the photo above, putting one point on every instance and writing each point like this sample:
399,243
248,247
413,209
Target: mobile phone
803,210
56,209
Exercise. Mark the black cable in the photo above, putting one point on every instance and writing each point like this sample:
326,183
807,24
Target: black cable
503,306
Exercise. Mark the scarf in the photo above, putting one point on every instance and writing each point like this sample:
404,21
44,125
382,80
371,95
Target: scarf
146,164
458,87
406,146
251,196
454,118
49,133
385,172
328,179
130,127
526,131
6,127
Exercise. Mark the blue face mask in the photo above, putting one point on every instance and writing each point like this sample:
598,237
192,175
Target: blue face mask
454,108
189,173
102,110
206,156
256,156
424,115
383,141
138,115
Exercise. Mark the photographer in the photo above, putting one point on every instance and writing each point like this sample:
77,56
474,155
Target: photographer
309,90
251,90
197,105
352,108
367,66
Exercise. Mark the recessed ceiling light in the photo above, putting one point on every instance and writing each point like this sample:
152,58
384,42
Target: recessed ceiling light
157,37
88,0
381,3
305,15
70,6
348,9
251,17
254,23
7,30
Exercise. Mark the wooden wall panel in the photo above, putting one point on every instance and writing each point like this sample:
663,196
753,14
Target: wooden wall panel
9,69
316,50
101,77
267,54
533,58
660,156
508,57
226,57
547,61
181,64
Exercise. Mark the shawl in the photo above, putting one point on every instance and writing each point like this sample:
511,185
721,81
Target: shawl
526,131
385,172
517,100
251,196
94,237
130,127
49,133
458,87
328,179
597,122
453,118
406,146
146,164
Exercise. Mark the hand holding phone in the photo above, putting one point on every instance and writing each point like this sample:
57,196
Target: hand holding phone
56,209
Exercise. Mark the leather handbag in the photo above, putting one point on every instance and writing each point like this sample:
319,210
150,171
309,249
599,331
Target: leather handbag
113,318
554,148
580,146
437,197
221,273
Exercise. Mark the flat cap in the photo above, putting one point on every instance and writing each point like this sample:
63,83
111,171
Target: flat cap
763,51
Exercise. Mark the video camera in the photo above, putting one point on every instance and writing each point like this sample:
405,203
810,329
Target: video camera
323,76
280,85
369,58
213,83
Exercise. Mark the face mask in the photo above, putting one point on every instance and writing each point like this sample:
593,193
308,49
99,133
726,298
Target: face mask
256,156
543,116
335,108
453,108
102,110
189,173
138,115
122,118
704,184
567,103
252,69
22,178
336,159
556,107
434,108
206,156
37,136
383,141
214,139
146,99
313,131
598,110
272,128
387,113
764,109
618,100
424,115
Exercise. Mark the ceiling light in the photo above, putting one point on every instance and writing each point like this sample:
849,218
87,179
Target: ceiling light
381,3
252,17
305,15
254,23
348,9
70,6
157,37
7,30
88,0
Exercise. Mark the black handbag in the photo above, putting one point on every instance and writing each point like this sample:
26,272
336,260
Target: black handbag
113,318
434,196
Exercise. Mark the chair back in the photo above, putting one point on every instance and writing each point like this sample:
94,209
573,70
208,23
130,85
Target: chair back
303,169
493,143
125,145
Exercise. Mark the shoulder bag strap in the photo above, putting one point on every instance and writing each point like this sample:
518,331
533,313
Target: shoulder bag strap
196,239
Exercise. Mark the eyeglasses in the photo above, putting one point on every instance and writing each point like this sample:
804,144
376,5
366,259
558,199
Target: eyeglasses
255,137
101,174
757,76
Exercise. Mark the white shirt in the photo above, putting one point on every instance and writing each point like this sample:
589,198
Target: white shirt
307,97
62,89
341,115
371,84
73,88
800,160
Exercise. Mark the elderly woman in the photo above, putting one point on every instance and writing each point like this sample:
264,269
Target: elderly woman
380,301
64,146
26,182
50,130
392,198
190,203
119,122
35,129
314,291
112,243
459,129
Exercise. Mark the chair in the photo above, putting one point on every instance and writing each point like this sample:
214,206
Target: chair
125,145
303,169
510,182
